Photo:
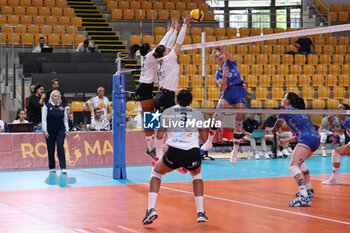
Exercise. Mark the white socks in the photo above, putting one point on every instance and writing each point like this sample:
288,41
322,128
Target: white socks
150,140
152,199
199,203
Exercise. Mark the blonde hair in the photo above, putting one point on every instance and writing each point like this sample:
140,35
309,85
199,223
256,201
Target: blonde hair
55,91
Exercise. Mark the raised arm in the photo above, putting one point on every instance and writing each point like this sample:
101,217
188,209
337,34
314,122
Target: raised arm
277,125
228,55
167,36
182,34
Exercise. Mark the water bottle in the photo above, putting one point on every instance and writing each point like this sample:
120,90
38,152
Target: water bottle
5,127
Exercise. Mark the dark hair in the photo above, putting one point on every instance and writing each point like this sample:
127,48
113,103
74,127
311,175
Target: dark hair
37,86
97,109
144,49
41,38
18,111
295,100
159,52
184,98
346,106
55,80
86,41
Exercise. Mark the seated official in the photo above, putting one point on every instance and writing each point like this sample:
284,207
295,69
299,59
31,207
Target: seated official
98,122
37,49
83,47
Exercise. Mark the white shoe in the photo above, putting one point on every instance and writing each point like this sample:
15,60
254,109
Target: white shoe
334,179
233,158
256,156
285,152
324,153
52,170
64,171
206,146
279,154
266,156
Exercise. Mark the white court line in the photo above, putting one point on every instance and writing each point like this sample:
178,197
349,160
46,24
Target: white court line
82,230
126,229
102,229
263,207
38,218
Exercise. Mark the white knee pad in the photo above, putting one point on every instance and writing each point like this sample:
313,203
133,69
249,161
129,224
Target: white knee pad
342,138
304,168
335,157
294,170
197,176
323,137
156,174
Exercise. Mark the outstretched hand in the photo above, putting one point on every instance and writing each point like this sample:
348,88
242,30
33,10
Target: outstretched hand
187,19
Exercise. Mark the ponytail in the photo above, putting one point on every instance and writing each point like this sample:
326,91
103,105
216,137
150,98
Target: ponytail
144,49
295,100
159,51
133,50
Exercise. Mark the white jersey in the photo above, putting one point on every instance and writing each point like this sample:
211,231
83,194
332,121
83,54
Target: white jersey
169,72
185,136
104,104
149,69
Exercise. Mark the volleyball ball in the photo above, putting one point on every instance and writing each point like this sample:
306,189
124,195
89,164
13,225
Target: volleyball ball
197,15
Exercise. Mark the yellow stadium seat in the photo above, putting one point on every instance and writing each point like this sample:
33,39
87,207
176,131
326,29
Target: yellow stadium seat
209,16
261,93
28,39
13,19
67,40
209,31
256,69
51,20
191,6
158,6
335,7
295,69
317,80
135,39
346,69
175,14
20,29
277,81
277,93
26,3
282,69
243,31
32,11
60,3
325,59
214,93
269,104
76,21
255,103
139,14
44,11
254,49
291,80
68,12
231,32
134,5
198,93
264,81
343,40
261,59
270,69
56,11
308,92
19,10
64,21
337,59
287,59
117,14
332,104
123,5
148,39
26,19
274,59
169,6
251,80
37,3
6,10
308,69
312,59
318,104
334,69
79,38
50,3
321,69
299,59
346,101
158,30
323,92
53,40
328,50
255,31
14,3
196,31
163,14
343,80
220,31
278,30
304,80
180,6
294,89
338,92
346,8
267,31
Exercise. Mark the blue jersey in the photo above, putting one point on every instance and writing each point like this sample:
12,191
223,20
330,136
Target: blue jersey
298,123
233,76
346,125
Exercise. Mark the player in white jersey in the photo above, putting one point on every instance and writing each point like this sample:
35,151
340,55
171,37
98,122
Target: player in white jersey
99,101
149,75
183,151
169,70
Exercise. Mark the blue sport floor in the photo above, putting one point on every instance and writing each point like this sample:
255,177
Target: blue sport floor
212,170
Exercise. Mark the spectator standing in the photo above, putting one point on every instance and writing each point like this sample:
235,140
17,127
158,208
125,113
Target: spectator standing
249,125
55,127
36,101
20,117
99,101
37,49
55,85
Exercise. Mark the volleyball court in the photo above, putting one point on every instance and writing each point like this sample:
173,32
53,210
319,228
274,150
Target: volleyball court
250,196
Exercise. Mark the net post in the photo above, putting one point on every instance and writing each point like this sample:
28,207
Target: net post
119,125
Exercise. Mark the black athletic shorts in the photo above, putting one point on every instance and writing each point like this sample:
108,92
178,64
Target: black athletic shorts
189,159
144,91
164,99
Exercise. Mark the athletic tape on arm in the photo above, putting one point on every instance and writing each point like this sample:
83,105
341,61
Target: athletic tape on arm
182,34
171,41
165,39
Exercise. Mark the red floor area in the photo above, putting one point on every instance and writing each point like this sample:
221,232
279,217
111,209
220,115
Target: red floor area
244,205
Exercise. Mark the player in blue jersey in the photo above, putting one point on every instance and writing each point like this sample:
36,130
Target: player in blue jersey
229,81
308,141
343,150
